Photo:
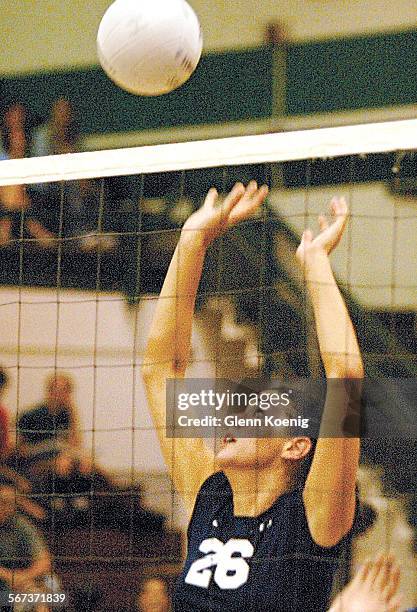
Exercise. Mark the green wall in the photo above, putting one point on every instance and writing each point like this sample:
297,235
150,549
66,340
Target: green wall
228,86
343,74
352,73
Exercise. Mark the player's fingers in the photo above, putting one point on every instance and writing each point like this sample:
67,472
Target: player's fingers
257,197
395,605
252,188
233,198
382,578
323,223
251,201
375,569
211,197
363,572
393,583
339,209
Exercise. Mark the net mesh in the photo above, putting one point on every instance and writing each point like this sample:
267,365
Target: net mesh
81,270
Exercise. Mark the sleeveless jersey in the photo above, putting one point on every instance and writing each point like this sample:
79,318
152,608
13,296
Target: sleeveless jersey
246,564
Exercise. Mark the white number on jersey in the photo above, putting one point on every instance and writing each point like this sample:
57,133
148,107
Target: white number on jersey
231,571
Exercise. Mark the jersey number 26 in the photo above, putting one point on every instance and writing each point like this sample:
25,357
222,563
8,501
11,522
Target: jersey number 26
231,571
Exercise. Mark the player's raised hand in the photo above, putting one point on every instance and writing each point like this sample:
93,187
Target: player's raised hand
216,216
330,233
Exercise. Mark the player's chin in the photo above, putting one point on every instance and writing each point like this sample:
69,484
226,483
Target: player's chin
236,453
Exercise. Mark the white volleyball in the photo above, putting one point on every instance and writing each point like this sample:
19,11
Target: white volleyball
149,47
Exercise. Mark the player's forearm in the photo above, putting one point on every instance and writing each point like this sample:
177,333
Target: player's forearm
338,344
170,334
329,493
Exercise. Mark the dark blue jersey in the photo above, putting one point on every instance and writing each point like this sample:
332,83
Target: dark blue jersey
246,564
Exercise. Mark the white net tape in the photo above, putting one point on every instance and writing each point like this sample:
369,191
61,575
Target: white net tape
289,146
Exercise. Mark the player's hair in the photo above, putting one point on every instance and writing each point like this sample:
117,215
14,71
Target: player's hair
4,378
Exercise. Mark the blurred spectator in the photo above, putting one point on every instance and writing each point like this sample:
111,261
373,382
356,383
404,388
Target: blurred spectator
16,212
16,132
22,488
60,135
153,596
24,557
51,429
52,458
4,419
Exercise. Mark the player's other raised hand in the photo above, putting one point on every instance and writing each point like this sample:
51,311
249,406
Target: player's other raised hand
330,233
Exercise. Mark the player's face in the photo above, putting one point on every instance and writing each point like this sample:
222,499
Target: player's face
250,452
259,453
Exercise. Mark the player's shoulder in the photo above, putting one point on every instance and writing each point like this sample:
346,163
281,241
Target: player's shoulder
215,494
216,486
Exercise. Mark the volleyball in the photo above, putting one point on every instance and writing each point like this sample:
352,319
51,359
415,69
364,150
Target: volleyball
149,47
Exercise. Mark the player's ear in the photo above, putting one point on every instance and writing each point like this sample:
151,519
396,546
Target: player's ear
295,449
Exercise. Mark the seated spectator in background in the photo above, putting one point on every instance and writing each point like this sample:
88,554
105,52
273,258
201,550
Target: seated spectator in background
16,212
53,459
24,558
60,135
51,429
153,596
5,443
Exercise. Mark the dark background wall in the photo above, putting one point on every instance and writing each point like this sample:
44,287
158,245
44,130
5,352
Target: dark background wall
349,73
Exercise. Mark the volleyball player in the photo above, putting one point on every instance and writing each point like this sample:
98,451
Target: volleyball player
257,540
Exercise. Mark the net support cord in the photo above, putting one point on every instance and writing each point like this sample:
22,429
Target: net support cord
321,143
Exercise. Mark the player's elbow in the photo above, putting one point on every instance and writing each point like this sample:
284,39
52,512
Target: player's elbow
161,361
330,516
155,371
327,532
345,368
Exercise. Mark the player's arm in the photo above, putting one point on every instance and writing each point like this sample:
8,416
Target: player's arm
329,493
189,461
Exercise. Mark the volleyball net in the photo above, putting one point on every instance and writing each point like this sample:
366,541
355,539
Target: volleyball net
85,257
